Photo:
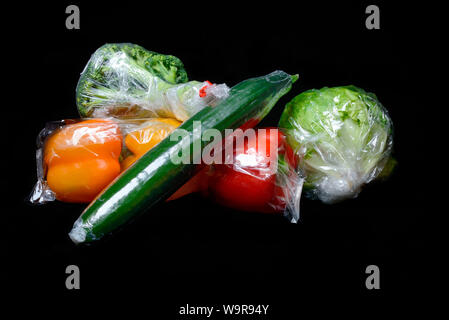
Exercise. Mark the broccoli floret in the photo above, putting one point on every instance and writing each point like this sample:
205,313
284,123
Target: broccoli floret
168,68
123,68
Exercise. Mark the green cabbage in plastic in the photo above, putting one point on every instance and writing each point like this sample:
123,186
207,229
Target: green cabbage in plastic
343,137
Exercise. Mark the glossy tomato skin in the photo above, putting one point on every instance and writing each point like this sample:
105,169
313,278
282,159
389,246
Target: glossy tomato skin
250,186
249,183
242,191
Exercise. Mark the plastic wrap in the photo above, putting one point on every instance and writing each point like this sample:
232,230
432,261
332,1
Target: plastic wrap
255,172
259,175
117,83
77,158
162,171
342,137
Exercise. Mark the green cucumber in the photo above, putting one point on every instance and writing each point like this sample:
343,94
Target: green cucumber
154,177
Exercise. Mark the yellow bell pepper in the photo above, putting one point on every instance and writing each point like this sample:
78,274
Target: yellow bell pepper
142,140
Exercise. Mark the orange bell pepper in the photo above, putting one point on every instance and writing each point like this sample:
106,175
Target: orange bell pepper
142,140
82,159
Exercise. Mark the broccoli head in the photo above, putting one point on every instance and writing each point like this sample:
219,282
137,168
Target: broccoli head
123,69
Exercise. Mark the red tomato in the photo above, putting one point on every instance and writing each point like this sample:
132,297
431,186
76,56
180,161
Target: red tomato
249,183
242,191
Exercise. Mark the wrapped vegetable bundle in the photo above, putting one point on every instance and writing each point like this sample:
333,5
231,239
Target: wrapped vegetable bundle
134,89
127,81
257,176
154,177
343,137
77,159
139,112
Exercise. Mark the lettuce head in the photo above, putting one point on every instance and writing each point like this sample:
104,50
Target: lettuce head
342,137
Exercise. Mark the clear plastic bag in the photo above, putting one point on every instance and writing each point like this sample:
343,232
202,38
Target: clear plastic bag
116,83
78,158
343,138
255,172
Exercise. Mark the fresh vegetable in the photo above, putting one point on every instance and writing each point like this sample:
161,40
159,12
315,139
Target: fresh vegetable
82,158
251,182
343,136
154,177
128,81
142,140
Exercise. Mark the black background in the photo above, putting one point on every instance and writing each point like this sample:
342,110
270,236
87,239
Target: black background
193,251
